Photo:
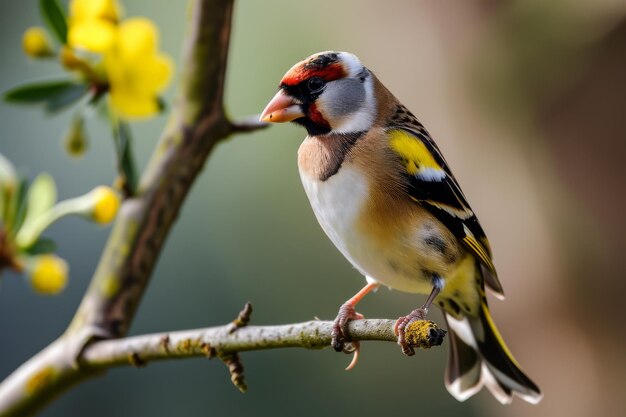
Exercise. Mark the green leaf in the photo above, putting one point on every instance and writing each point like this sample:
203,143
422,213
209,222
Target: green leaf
42,194
54,16
38,92
65,97
42,246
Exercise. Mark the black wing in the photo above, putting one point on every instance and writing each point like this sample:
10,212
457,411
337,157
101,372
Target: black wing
432,184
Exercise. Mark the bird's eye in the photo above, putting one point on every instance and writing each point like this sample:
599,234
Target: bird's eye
315,85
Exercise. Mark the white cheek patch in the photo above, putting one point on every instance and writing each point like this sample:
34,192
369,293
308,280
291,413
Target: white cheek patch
362,119
357,122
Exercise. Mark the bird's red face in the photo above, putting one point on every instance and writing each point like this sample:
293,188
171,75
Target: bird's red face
320,92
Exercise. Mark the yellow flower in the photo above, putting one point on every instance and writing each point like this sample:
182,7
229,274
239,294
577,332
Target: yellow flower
92,24
106,204
95,9
136,70
49,274
35,43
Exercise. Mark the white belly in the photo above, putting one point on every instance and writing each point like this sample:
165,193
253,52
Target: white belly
337,203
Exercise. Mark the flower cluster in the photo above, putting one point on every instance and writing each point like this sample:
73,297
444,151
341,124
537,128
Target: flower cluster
110,59
27,210
114,58
136,72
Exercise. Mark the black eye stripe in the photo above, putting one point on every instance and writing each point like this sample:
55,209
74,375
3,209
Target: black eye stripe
306,91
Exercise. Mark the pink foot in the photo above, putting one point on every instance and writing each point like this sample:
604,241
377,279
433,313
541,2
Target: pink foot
342,342
340,327
400,328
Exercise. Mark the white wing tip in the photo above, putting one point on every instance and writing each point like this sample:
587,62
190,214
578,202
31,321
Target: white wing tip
488,380
533,398
455,390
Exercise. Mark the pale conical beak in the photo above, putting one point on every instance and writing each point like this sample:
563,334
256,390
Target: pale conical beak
281,108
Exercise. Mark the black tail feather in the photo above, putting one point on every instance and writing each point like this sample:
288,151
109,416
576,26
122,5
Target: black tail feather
478,356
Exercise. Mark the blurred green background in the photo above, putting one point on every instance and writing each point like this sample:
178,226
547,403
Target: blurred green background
526,100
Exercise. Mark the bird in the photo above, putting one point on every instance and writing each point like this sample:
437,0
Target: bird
385,196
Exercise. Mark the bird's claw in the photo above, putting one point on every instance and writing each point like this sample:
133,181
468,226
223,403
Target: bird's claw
400,329
341,340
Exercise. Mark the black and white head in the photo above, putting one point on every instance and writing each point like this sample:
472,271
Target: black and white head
327,93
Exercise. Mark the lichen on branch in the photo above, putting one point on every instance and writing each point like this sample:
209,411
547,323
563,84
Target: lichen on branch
221,340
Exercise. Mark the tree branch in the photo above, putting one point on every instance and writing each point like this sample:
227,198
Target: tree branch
218,341
226,342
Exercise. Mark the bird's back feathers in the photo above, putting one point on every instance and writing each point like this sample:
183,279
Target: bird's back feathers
430,182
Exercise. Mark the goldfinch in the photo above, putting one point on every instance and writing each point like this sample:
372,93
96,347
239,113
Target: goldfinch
385,196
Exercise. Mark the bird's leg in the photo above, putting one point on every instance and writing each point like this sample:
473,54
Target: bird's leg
418,314
340,327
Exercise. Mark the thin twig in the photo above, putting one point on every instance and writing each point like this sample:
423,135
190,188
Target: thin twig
243,318
248,124
235,368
